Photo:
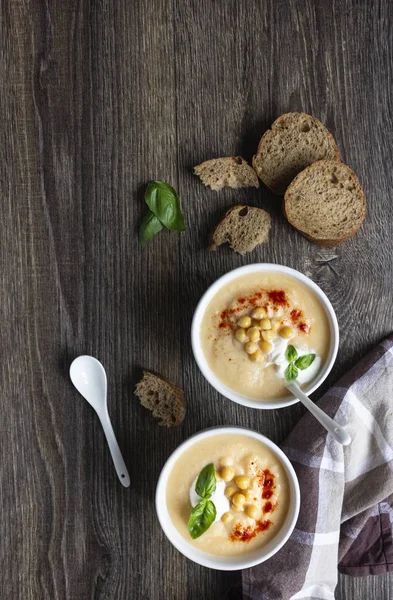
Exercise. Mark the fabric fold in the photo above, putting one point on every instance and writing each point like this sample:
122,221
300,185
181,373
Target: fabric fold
346,513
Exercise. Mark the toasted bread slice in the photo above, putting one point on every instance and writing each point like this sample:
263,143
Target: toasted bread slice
326,203
232,171
163,398
243,227
294,141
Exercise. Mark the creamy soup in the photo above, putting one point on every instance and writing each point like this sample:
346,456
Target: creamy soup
248,326
251,497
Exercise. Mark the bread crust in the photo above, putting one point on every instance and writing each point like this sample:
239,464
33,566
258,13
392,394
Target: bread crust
324,242
232,164
181,405
214,242
276,125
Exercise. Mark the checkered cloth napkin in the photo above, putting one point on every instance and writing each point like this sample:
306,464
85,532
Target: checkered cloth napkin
346,508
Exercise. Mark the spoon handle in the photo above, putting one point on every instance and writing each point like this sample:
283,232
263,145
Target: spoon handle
117,457
339,433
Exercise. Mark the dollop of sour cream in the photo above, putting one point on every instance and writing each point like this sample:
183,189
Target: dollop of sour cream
218,498
276,356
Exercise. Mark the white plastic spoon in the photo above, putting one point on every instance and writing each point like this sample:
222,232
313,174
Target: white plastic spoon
89,377
339,433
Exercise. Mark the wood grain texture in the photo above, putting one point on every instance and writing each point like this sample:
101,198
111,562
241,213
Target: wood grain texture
97,98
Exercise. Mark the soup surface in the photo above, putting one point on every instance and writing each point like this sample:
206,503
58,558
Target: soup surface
263,493
248,326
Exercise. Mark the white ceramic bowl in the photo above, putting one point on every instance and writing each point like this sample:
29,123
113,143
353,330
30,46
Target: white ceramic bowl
201,359
228,563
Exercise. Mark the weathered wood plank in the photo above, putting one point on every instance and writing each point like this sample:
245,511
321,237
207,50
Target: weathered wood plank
97,98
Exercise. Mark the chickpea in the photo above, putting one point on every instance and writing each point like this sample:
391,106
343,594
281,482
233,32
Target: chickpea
259,313
229,491
227,517
227,474
286,332
255,323
252,511
226,461
250,347
257,356
218,476
242,482
241,335
244,322
275,323
265,346
249,494
238,499
268,335
265,324
253,334
237,507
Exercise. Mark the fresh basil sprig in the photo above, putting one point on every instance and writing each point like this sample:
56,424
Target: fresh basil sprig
164,210
206,482
291,353
202,516
164,203
296,362
303,362
150,225
291,372
204,513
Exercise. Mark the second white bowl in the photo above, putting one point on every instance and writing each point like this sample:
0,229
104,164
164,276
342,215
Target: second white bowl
228,563
201,359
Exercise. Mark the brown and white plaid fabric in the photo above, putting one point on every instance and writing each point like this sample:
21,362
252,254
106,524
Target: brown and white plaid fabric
345,520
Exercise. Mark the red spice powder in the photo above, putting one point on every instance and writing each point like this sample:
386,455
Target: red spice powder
296,314
304,327
228,316
268,507
266,483
245,534
278,297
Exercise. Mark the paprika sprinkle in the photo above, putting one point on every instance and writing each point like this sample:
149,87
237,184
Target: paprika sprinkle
245,534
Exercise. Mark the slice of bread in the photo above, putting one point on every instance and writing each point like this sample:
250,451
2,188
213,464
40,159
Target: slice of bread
163,398
295,141
326,203
243,227
232,171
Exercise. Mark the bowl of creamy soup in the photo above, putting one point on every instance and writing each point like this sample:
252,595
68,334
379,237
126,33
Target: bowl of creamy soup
258,328
228,498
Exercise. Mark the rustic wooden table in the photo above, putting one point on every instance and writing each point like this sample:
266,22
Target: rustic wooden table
96,99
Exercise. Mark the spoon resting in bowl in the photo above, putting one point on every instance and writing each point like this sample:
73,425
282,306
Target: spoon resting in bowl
340,434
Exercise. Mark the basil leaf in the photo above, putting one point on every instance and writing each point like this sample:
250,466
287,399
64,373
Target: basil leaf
291,354
206,482
150,225
291,372
202,516
164,202
303,362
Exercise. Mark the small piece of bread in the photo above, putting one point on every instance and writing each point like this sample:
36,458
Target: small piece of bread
163,398
326,203
232,171
243,227
295,141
